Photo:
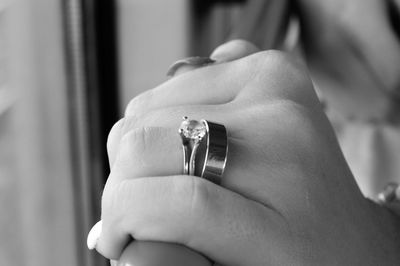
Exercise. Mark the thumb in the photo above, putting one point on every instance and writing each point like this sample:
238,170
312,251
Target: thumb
224,53
233,50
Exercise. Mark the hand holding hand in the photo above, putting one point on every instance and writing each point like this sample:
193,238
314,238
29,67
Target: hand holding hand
287,196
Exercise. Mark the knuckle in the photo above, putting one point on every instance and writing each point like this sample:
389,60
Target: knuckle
131,122
273,60
301,121
115,134
278,75
108,200
130,108
138,146
135,142
138,104
139,121
267,59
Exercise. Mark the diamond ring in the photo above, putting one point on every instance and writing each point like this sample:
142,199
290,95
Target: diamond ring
192,133
207,140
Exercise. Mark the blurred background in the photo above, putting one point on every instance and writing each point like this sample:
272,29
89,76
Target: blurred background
67,70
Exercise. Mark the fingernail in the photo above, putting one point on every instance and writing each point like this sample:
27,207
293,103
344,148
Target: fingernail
94,235
195,61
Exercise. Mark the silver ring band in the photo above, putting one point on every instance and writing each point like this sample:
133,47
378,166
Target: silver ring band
216,152
186,159
189,156
212,153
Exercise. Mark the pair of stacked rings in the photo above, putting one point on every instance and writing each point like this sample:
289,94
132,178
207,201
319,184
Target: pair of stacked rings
205,149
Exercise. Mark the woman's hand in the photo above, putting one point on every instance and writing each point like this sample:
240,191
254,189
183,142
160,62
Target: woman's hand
287,196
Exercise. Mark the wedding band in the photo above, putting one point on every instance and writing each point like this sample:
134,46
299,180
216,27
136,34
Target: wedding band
216,152
213,151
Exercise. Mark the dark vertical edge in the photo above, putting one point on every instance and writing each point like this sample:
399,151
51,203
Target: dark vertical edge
96,174
91,69
107,63
198,33
100,49
100,39
72,26
207,24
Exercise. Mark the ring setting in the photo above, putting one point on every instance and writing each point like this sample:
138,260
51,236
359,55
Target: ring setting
192,133
205,148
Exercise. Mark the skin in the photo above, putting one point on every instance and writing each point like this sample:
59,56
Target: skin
352,51
287,196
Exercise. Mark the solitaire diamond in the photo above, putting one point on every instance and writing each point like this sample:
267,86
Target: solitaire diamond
192,129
